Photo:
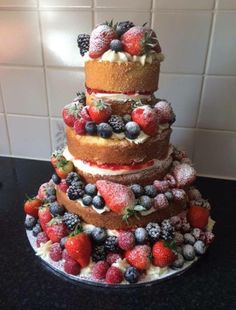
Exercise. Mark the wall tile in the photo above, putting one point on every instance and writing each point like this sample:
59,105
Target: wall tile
24,90
65,3
1,103
183,91
138,18
4,144
184,39
60,31
226,4
139,4
218,108
62,88
223,48
33,143
215,153
183,138
18,3
20,44
58,133
184,4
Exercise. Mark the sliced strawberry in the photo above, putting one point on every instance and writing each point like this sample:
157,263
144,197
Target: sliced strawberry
56,229
31,206
100,112
163,254
198,216
119,198
44,217
139,257
146,118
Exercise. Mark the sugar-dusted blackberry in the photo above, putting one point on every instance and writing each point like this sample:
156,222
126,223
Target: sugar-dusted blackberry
167,230
150,190
74,192
117,123
71,220
83,43
78,184
98,253
137,190
72,177
122,27
90,189
154,231
111,244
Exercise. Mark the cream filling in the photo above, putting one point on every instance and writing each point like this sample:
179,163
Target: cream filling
121,97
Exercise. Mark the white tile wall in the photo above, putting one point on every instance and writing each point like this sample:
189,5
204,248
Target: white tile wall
41,70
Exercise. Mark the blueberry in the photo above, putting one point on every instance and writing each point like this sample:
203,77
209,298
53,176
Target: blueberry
199,247
132,130
131,275
56,179
30,221
63,241
50,199
179,262
98,202
189,238
146,202
99,235
126,118
188,252
56,209
104,130
116,45
137,190
90,189
87,200
150,190
91,128
140,235
169,196
36,230
50,191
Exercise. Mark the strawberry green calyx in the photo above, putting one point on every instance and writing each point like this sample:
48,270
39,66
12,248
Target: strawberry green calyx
100,104
54,221
128,213
75,109
57,153
171,244
62,162
148,42
78,229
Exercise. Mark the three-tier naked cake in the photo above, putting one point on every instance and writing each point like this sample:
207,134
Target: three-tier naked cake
120,207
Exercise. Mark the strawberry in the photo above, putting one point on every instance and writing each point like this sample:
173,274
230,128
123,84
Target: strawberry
119,198
163,254
42,193
79,248
31,206
56,156
99,111
71,113
100,40
64,167
146,118
56,229
139,40
44,217
79,126
139,257
198,216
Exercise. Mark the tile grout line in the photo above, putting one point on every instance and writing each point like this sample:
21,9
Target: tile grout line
93,14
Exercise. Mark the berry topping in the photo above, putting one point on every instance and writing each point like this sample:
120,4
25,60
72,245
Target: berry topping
167,230
75,192
139,257
209,237
83,43
41,238
87,200
164,112
65,254
170,179
131,275
184,175
90,189
137,190
146,202
179,195
79,126
56,209
132,130
71,220
188,252
116,45
126,240
199,247
72,267
117,123
98,202
161,186
99,111
104,130
122,27
91,128
194,194
63,186
189,238
72,177
150,190
154,231
36,230
71,113
161,202
179,262
44,217
56,229
146,118
56,179
179,238
169,195
111,244
30,222
112,258
141,235
98,253
31,206
114,275
99,235
198,216
163,254
55,252
99,270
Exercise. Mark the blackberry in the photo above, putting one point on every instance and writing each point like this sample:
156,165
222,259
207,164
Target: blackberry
117,123
71,220
98,253
116,45
111,244
78,184
81,98
74,192
83,43
72,177
122,27
154,231
167,230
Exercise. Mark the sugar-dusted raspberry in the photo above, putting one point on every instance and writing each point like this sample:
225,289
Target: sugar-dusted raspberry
72,267
55,252
194,194
186,227
41,238
179,238
114,275
164,111
112,258
126,240
99,270
179,195
196,232
209,237
160,202
79,126
184,175
85,115
171,180
161,186
65,255
63,186
176,221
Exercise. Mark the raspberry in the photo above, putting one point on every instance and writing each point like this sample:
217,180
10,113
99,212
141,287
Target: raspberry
176,222
63,186
55,252
65,255
72,267
164,111
79,126
114,275
41,238
179,195
99,270
170,179
126,240
85,115
160,202
209,237
161,186
185,226
179,238
184,175
112,258
194,194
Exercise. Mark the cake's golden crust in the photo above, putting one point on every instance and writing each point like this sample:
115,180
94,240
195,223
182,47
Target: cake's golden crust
114,151
111,220
126,77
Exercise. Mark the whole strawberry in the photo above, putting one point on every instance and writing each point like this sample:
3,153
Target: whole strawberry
64,167
163,254
79,247
56,229
31,206
99,112
71,113
100,40
146,118
198,216
44,216
139,257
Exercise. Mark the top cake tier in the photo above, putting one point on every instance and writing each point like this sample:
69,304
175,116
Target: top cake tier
121,58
